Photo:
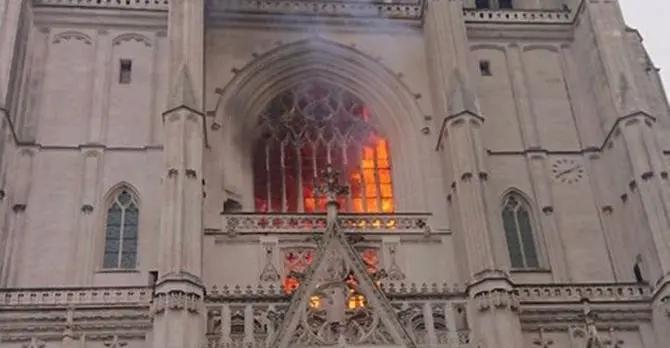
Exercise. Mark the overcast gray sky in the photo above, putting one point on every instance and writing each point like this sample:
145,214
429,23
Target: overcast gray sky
652,19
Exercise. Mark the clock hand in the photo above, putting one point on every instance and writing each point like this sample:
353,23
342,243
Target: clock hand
566,171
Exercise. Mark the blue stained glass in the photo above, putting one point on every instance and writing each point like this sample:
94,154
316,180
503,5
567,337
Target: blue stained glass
112,246
114,215
513,243
519,233
527,238
130,245
111,260
113,232
132,216
128,260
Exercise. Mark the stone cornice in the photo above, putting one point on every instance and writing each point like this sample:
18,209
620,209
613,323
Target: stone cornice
342,12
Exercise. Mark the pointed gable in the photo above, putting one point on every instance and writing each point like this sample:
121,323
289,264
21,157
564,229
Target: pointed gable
338,303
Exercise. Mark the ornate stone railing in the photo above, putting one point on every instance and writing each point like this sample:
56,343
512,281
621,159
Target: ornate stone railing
517,16
562,293
275,291
75,296
295,223
340,8
155,5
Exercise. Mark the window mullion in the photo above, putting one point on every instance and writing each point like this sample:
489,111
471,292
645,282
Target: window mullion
345,175
299,171
268,177
282,171
364,192
378,186
119,262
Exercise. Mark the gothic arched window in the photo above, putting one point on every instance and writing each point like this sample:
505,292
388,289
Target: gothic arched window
519,232
121,231
302,131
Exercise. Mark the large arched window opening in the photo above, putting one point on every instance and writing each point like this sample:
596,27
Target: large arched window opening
304,129
517,222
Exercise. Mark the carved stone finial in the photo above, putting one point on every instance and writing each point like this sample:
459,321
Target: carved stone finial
331,188
330,185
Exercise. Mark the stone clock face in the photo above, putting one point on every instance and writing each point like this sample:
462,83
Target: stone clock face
567,170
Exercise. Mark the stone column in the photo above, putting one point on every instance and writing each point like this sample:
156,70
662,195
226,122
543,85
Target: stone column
464,156
14,237
10,20
178,309
99,102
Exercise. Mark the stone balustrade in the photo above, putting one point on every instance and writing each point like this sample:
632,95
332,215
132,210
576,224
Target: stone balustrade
155,5
351,8
559,293
296,223
517,16
110,296
346,9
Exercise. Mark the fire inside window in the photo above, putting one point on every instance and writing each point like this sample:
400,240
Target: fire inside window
298,260
305,129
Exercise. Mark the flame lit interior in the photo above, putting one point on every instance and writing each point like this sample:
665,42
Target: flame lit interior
302,131
299,260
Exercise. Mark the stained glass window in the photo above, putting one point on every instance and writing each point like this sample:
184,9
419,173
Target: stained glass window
308,127
519,232
121,232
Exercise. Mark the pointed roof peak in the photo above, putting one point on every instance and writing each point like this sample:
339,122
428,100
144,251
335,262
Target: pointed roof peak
339,294
182,92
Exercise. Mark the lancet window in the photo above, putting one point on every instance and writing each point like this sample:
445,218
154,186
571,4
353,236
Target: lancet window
519,232
302,131
121,231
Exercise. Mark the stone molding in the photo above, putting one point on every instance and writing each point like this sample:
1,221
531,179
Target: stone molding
362,11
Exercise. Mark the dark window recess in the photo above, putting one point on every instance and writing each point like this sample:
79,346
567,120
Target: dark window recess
506,4
485,68
125,71
153,278
481,4
231,206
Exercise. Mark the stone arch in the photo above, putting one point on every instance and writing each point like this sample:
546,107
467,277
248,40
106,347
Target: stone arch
67,35
394,106
113,190
131,37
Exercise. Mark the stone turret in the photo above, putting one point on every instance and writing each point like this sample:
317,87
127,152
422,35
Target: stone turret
179,295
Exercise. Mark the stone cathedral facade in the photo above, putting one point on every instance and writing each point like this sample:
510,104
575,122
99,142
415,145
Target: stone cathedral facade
331,173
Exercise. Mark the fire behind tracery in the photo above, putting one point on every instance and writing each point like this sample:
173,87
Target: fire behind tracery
304,129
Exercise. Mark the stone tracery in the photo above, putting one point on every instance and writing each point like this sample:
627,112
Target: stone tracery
306,128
